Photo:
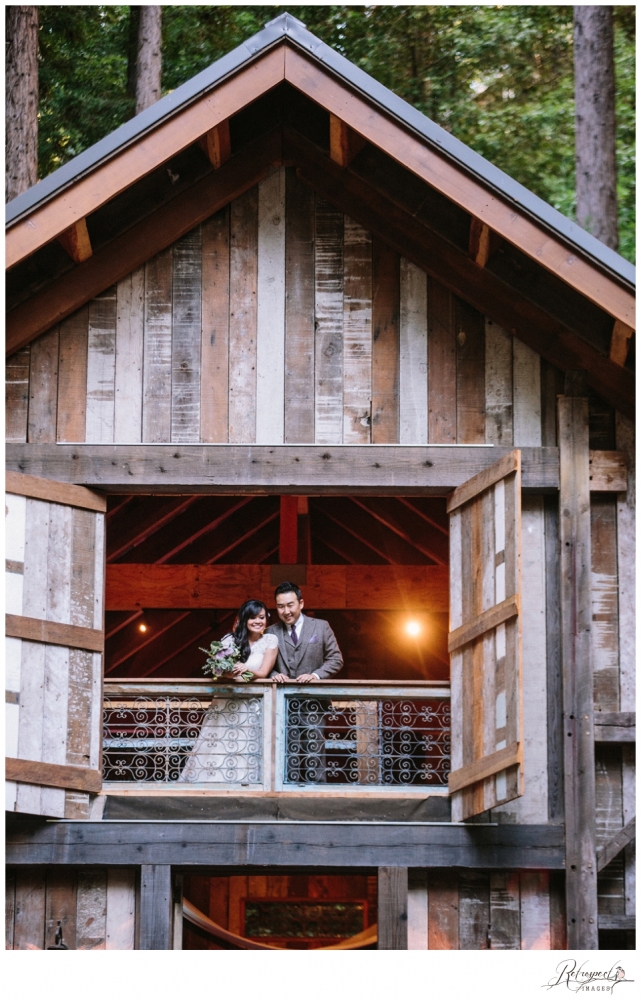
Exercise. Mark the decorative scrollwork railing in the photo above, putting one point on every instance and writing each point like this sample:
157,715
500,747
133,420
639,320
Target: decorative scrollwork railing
267,736
376,741
172,739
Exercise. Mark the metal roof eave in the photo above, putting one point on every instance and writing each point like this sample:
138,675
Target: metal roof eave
285,26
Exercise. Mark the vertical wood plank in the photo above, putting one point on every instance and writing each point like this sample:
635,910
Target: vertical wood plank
121,909
156,401
535,911
270,311
15,515
493,734
553,659
61,906
443,916
214,365
17,395
417,912
130,304
413,359
29,927
243,275
155,907
72,378
386,278
101,368
328,367
551,388
186,336
505,919
579,784
357,334
532,806
527,396
456,659
470,374
474,911
626,542
299,311
238,892
91,929
392,909
442,355
628,789
558,935
498,385
43,388
9,909
605,603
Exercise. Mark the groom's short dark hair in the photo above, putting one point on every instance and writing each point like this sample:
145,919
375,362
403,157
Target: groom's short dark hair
288,588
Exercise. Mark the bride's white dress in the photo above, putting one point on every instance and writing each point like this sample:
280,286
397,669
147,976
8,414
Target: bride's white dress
228,746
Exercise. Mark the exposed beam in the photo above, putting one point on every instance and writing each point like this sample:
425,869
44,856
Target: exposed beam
35,772
428,520
122,621
483,242
355,534
216,144
238,541
452,267
128,251
620,343
267,469
75,241
196,535
461,187
363,524
504,846
615,727
343,543
616,844
149,151
137,532
392,909
344,143
379,508
140,585
131,645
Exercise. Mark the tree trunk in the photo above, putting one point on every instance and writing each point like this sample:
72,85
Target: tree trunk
21,100
149,61
595,150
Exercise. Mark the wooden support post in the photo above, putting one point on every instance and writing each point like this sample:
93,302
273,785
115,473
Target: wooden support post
155,908
217,144
392,909
177,930
288,546
576,615
76,242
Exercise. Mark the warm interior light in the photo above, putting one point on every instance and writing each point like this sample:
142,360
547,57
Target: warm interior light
142,627
412,628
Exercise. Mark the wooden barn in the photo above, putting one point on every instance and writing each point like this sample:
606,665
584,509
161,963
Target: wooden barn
281,326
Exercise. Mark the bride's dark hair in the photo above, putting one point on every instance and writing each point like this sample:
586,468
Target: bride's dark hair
241,636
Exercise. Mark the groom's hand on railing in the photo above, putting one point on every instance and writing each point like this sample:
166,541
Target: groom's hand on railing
306,678
280,678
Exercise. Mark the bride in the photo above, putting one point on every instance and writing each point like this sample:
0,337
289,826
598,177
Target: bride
258,652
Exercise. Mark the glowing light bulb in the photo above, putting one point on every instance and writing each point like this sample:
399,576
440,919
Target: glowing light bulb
142,628
412,628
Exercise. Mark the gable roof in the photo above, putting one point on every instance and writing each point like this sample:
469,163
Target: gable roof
584,285
287,27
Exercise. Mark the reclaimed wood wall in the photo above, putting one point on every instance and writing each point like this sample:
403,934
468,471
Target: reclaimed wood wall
95,907
279,320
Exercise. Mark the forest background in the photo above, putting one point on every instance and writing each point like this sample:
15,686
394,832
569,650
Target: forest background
500,78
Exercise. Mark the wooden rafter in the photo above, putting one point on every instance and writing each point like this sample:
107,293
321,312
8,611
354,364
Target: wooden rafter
483,242
238,541
216,144
134,643
336,542
379,508
139,531
362,524
75,241
620,344
411,505
196,535
121,621
344,142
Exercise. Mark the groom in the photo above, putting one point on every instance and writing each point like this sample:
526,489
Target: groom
307,647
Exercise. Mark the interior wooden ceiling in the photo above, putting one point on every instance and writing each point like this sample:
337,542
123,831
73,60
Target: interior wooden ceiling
246,530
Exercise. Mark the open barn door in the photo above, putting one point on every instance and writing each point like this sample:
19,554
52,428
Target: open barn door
485,639
55,639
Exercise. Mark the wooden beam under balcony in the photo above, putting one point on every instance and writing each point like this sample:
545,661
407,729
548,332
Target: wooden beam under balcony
143,585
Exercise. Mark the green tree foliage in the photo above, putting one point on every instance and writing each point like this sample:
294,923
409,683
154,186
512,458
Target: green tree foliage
500,78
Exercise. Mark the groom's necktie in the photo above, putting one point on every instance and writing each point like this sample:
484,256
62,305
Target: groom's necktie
294,636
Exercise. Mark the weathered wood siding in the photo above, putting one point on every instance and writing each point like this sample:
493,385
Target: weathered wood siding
94,907
278,320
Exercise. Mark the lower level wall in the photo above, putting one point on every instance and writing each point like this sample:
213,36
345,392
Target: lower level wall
96,908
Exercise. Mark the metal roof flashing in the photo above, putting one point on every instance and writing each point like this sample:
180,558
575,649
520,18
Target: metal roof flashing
289,28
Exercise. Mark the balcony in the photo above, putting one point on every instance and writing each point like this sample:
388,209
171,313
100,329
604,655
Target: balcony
264,737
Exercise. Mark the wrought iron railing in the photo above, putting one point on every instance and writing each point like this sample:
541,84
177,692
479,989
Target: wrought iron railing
265,736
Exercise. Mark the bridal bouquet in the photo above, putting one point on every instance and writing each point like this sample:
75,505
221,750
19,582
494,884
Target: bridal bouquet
222,657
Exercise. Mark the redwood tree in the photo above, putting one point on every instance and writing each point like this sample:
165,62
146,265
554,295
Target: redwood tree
595,126
21,99
149,57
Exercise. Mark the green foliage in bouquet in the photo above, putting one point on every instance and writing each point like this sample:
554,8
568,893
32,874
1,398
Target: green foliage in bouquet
222,658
